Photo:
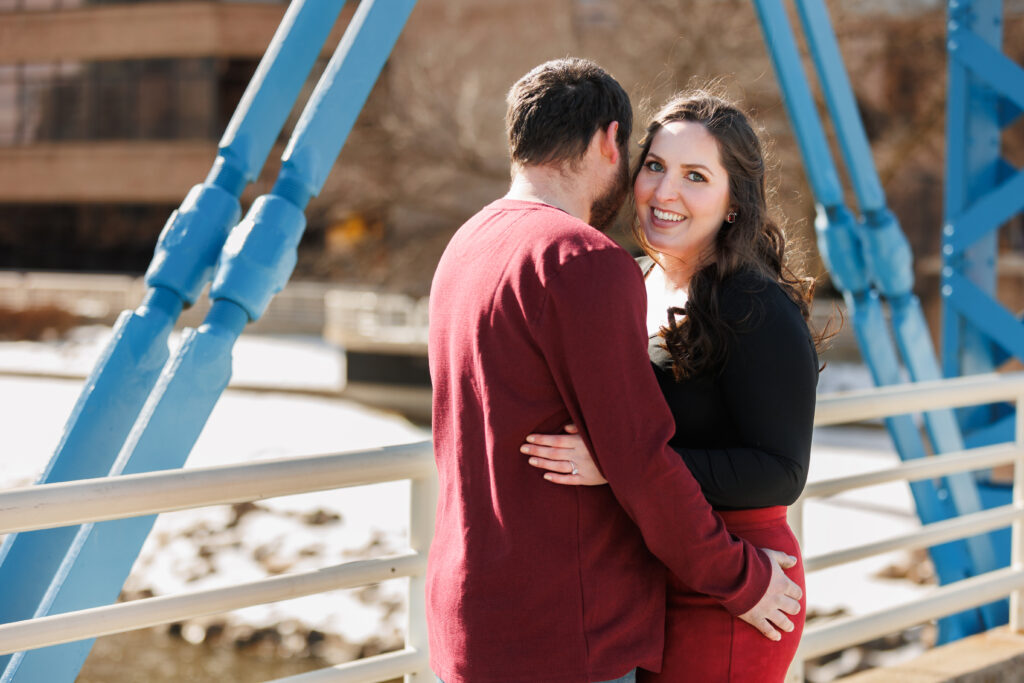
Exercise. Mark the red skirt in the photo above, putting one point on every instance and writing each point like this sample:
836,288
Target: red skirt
703,642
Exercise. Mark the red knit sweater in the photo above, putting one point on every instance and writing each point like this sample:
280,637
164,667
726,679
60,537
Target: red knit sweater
537,319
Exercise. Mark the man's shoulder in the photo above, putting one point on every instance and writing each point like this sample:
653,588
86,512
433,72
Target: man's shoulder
551,237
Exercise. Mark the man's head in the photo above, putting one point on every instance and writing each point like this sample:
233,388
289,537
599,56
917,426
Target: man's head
553,114
555,109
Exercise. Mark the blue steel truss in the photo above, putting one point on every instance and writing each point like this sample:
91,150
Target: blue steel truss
983,191
870,261
141,410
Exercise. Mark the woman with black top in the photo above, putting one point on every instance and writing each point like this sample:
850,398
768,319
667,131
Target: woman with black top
730,345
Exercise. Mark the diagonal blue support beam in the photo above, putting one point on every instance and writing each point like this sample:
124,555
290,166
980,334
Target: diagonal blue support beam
853,140
990,318
873,251
255,263
796,95
1009,112
985,214
182,265
988,64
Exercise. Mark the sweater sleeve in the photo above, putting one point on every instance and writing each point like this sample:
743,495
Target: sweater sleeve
591,330
768,385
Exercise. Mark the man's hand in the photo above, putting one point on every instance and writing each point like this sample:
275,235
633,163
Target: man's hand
781,598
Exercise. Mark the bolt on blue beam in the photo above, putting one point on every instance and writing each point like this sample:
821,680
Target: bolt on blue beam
840,240
255,263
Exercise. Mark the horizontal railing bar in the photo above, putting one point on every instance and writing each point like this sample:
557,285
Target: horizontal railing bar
914,470
370,670
93,500
926,536
127,616
948,599
901,399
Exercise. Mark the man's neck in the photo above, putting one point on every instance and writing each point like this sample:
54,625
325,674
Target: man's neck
552,186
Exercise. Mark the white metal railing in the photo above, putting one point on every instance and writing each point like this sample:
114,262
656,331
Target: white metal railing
951,598
93,500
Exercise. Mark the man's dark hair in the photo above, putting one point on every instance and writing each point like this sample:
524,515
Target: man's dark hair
554,111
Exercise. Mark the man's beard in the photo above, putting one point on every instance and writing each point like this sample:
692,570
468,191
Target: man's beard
606,207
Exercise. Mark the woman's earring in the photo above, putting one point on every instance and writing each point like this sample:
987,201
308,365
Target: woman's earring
731,217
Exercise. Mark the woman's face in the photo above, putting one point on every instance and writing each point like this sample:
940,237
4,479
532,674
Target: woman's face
682,192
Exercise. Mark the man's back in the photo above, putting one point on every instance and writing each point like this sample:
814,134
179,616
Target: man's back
530,581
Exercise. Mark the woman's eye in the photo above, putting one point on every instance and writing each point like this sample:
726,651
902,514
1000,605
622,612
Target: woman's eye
695,177
654,166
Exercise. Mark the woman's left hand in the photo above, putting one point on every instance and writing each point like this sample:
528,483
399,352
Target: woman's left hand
564,456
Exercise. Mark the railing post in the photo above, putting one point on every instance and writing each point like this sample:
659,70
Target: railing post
795,517
1017,532
422,509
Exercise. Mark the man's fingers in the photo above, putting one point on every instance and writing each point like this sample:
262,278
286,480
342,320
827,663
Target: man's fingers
767,630
785,560
789,606
793,589
572,429
782,621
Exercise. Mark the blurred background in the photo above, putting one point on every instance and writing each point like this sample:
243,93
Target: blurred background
111,110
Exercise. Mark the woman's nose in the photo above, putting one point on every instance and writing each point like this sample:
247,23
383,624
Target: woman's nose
667,189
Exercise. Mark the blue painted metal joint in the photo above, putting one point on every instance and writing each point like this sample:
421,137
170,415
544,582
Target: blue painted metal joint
840,248
228,173
887,253
187,250
260,254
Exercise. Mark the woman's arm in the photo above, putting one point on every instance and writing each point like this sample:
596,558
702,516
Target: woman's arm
769,384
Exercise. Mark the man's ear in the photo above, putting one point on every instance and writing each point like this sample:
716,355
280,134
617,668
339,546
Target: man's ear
609,142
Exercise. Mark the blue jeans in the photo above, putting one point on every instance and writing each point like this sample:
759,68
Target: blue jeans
628,678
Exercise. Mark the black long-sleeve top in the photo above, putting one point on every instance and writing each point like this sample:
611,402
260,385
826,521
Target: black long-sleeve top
745,432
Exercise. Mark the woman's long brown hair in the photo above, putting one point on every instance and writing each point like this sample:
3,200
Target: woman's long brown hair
697,336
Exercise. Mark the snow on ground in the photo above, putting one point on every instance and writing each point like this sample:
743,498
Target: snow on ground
209,547
197,549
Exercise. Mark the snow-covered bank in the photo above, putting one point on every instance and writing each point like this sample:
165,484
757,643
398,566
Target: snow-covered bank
203,548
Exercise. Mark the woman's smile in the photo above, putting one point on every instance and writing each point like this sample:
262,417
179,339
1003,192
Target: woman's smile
661,215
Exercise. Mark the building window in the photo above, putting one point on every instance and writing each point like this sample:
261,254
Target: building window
112,238
153,99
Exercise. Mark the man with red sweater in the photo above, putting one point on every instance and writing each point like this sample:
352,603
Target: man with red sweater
537,319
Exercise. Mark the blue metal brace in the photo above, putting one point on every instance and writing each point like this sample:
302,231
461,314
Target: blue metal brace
983,191
36,567
866,258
